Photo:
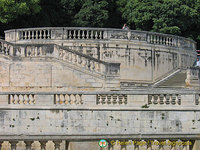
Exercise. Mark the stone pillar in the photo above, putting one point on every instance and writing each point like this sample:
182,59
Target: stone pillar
57,144
43,144
130,145
13,145
196,145
117,145
28,145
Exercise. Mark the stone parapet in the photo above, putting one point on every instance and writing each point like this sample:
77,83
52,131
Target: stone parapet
80,33
141,99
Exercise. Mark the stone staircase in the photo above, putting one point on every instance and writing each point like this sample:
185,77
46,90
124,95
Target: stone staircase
175,79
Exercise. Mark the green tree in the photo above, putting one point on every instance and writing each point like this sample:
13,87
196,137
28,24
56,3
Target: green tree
11,9
92,14
180,17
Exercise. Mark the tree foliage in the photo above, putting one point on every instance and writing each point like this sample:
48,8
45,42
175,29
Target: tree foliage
179,17
11,9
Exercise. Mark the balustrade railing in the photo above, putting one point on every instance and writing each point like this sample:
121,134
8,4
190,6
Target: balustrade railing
151,144
164,99
111,99
22,99
68,99
87,62
77,33
141,99
64,54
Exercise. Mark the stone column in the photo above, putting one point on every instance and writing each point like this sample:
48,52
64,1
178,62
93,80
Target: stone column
57,144
43,144
13,145
117,145
28,145
130,145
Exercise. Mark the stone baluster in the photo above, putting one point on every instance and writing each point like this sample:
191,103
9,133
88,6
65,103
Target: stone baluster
57,98
161,40
96,67
16,99
92,34
154,39
43,144
44,34
117,146
67,99
117,100
165,99
96,34
106,99
57,144
1,142
48,34
72,99
167,41
123,99
84,62
188,145
152,99
92,65
158,100
100,34
143,145
79,34
26,99
157,39
176,100
33,34
74,34
78,99
25,35
29,34
83,34
36,34
70,34
20,100
167,145
100,100
87,35
40,37
28,145
170,99
112,99
62,99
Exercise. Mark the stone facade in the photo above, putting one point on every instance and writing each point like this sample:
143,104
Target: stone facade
67,88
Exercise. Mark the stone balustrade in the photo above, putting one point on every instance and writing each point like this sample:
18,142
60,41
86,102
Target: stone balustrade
31,144
111,99
77,33
68,99
139,99
61,53
87,62
112,144
167,99
21,99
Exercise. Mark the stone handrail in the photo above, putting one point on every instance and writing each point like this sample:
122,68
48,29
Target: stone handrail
79,33
61,53
144,98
